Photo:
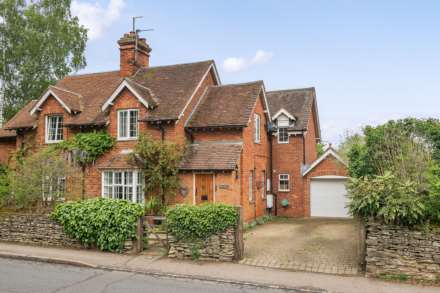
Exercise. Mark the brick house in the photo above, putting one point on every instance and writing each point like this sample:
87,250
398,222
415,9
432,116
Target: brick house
243,142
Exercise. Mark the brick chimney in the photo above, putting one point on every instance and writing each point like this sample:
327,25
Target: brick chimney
129,60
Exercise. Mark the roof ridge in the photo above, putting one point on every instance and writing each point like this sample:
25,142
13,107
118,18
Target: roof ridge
92,73
178,64
150,91
66,90
292,90
238,84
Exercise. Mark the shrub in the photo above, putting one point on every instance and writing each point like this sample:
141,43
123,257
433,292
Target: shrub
190,222
40,178
4,186
161,162
387,198
88,146
106,223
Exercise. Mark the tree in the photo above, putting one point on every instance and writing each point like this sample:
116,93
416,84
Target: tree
349,139
160,160
41,42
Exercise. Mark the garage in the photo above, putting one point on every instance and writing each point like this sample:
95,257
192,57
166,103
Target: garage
328,197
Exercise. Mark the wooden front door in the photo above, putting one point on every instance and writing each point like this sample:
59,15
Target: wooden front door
204,188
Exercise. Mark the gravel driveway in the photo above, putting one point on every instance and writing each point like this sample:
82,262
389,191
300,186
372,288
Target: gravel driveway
315,245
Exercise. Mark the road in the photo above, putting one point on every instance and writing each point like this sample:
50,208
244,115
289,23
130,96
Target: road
18,276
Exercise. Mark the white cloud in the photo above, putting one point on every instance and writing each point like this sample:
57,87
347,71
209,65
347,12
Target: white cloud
95,17
262,57
235,64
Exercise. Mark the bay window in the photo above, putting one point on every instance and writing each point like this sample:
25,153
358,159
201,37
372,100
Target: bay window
126,185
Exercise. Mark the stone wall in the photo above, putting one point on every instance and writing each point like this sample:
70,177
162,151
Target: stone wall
36,229
396,251
221,247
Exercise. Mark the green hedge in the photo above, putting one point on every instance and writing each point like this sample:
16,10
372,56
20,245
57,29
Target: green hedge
106,223
190,222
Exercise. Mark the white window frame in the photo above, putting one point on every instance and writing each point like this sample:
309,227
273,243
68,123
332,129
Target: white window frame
257,128
48,188
58,125
127,128
251,186
278,134
108,187
284,179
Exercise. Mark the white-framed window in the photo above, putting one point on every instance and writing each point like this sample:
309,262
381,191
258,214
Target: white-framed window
283,182
123,184
257,127
54,128
283,135
251,186
128,124
54,188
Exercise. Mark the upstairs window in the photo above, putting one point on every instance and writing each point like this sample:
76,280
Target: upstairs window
54,129
283,135
127,124
257,128
251,186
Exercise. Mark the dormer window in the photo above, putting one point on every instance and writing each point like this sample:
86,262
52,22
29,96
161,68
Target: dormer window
128,124
54,128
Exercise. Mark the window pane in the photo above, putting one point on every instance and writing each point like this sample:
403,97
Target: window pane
119,192
283,135
118,178
128,193
128,178
122,123
133,123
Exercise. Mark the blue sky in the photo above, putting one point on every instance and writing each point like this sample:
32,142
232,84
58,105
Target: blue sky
369,61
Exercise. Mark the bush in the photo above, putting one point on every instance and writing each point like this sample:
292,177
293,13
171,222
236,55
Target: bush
4,186
106,223
190,222
387,198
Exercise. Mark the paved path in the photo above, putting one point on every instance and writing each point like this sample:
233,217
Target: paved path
223,273
313,245
20,276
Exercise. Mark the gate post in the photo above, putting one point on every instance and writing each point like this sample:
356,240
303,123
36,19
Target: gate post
139,247
239,243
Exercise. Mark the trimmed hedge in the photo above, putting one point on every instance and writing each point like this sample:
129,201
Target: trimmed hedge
106,223
191,222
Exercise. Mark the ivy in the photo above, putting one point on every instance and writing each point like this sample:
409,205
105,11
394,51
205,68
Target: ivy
88,146
190,222
104,223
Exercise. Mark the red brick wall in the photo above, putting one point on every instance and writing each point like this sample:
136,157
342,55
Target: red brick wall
255,158
289,159
7,148
329,166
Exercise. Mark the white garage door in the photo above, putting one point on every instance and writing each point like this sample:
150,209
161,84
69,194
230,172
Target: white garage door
328,197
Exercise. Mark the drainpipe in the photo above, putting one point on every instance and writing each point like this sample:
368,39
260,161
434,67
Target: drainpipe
162,132
270,175
304,148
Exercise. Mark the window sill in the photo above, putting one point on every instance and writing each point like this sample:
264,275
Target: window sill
127,139
283,190
53,142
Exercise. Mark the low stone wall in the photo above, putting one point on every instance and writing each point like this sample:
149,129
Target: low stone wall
396,251
221,247
36,229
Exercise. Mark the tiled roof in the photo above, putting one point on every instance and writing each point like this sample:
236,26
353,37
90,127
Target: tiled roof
167,88
72,100
172,87
7,133
227,105
23,118
298,102
212,156
120,161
